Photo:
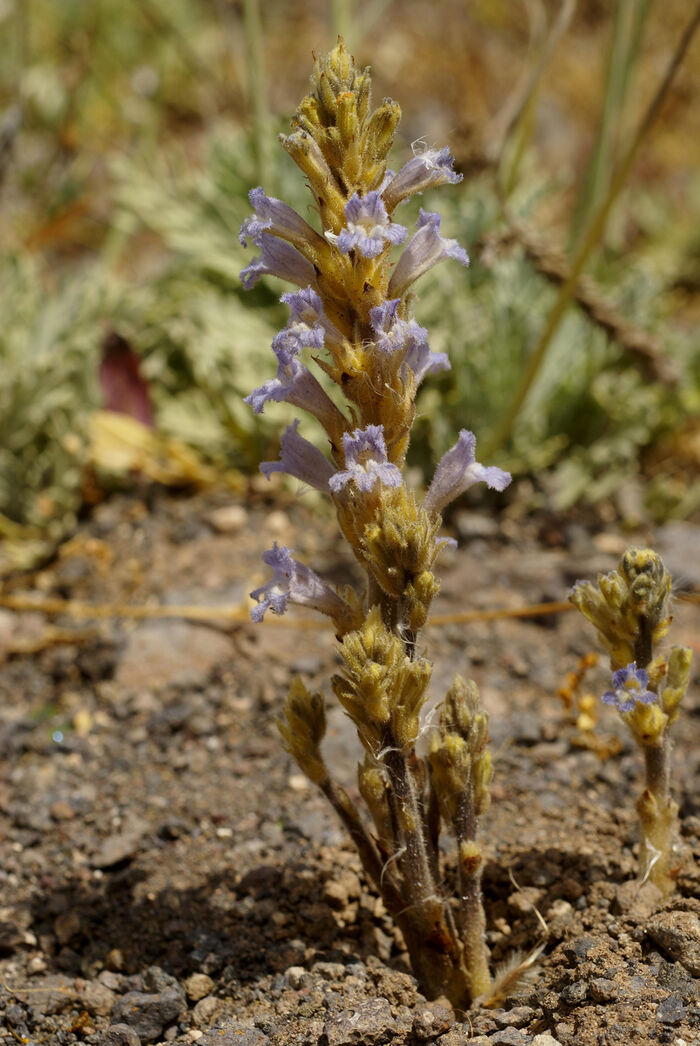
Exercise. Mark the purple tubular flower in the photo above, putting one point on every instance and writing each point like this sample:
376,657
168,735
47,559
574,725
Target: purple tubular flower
629,686
300,459
425,248
306,307
365,462
369,228
277,218
458,470
424,171
293,582
394,334
294,382
278,259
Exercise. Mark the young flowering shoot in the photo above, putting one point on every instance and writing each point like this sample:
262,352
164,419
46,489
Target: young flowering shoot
629,686
380,687
300,459
425,249
397,335
278,219
303,726
677,681
368,227
293,582
425,170
458,470
461,773
630,609
278,258
366,462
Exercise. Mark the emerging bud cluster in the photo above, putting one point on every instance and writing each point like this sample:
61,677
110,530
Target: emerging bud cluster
630,609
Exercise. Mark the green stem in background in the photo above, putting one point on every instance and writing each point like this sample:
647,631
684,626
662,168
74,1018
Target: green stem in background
355,25
624,48
591,239
342,22
22,39
257,94
517,115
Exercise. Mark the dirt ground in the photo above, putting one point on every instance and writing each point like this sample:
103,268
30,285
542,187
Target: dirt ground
169,877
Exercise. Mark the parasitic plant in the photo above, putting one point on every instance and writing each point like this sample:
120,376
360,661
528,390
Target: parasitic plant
629,607
351,319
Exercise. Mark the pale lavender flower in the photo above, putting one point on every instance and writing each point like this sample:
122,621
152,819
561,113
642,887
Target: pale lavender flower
294,337
306,307
395,334
458,470
293,582
425,170
278,259
277,218
300,459
425,248
369,228
365,461
629,686
294,383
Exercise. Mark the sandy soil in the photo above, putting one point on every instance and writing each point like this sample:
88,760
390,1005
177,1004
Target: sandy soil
168,876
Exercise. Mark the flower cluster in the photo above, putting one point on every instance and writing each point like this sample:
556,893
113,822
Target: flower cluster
351,318
350,325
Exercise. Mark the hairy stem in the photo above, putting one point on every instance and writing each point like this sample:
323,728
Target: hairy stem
437,959
658,813
643,643
476,953
383,879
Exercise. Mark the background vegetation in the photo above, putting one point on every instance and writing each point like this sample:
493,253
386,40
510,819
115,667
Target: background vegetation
132,130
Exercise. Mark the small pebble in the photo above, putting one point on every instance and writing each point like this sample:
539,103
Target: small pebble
574,994
197,986
518,1017
671,1010
228,519
205,1009
293,977
509,1037
431,1020
119,1035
